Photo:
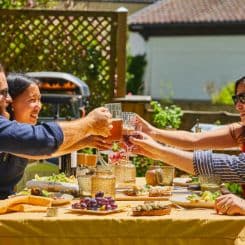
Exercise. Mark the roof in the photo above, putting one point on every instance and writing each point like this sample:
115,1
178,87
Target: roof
190,11
116,1
190,17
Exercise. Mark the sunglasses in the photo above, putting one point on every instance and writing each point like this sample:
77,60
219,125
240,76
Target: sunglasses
239,97
4,92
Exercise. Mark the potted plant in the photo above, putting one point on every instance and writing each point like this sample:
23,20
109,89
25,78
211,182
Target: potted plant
168,117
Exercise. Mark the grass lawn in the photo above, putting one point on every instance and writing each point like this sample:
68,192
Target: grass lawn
42,168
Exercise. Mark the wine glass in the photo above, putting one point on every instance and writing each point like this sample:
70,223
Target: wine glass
129,127
117,125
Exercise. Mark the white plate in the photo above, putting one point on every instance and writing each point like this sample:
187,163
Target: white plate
61,199
181,181
184,202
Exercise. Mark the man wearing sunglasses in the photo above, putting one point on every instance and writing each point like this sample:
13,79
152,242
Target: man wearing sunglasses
52,138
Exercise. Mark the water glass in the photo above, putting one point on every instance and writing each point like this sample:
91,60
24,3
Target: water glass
210,182
168,175
128,127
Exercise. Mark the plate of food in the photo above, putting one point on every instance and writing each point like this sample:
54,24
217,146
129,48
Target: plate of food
151,209
55,183
97,212
148,193
98,205
181,181
205,199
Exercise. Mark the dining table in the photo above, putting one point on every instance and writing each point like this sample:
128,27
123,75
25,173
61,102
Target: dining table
181,226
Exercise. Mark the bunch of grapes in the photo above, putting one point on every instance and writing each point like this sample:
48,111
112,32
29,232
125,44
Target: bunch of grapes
98,203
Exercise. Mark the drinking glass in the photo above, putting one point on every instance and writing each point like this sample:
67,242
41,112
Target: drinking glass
116,111
116,132
210,182
128,127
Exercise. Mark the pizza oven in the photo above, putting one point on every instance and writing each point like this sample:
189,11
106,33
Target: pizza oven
64,96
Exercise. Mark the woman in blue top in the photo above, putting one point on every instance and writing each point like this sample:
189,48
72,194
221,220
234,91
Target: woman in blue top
25,108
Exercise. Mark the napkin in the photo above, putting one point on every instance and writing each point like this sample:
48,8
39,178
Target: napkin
27,203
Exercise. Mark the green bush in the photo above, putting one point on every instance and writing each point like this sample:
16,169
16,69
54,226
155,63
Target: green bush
18,4
167,117
135,72
224,96
142,165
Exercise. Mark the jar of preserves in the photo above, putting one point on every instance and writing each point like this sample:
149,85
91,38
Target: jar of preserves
153,175
160,175
104,181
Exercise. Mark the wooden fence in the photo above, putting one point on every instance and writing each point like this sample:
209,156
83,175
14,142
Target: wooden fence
90,45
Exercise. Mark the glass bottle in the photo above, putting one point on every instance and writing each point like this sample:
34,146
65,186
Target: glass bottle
65,165
104,181
85,171
84,175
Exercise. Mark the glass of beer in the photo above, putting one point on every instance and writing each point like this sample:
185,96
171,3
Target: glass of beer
117,122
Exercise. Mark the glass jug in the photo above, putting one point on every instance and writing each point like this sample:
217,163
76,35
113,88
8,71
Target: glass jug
104,181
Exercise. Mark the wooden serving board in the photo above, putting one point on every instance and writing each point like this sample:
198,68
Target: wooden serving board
98,212
183,202
140,198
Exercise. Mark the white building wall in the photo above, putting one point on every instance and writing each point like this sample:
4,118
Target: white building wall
180,67
136,44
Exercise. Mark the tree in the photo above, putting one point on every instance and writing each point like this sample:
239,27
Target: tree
19,4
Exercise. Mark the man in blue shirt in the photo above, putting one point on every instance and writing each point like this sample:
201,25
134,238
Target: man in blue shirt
45,139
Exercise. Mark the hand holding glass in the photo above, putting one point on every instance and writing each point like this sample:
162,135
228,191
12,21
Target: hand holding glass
116,111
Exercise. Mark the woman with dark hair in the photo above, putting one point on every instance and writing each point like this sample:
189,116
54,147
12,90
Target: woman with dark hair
230,168
26,98
225,137
25,107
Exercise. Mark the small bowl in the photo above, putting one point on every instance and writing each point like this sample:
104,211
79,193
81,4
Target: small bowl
52,212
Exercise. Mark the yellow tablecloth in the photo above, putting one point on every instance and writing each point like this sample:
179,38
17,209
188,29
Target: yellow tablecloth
180,227
201,226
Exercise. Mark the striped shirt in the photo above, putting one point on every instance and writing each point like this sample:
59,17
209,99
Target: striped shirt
230,168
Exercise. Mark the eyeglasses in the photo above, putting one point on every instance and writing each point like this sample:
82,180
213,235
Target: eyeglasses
4,92
239,97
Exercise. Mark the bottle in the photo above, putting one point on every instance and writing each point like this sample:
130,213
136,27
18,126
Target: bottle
198,129
73,163
67,164
86,164
104,181
64,163
84,175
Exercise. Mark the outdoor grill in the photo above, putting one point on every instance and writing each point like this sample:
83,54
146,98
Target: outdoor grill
64,96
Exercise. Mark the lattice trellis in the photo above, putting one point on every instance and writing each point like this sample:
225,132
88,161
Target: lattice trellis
85,44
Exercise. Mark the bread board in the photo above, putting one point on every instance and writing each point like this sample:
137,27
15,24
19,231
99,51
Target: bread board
122,197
